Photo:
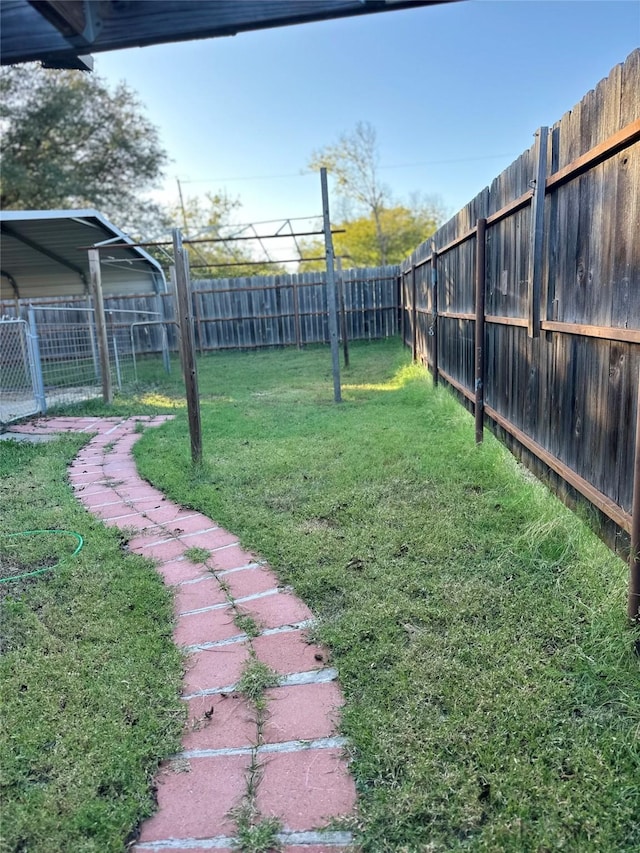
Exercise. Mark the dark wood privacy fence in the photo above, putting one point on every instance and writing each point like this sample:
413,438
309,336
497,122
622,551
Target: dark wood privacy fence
527,303
547,276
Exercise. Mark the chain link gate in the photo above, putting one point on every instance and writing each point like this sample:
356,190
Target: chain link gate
21,391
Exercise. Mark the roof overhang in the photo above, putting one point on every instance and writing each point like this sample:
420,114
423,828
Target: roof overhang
42,255
61,33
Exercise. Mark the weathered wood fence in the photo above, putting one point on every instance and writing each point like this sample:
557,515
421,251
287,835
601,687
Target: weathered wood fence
292,309
527,302
248,313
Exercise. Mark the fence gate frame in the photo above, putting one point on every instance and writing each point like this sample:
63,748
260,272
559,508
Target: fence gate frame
27,345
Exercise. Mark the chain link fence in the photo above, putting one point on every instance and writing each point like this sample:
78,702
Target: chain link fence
19,396
53,359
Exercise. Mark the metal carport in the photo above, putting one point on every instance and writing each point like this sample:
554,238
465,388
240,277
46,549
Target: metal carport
55,353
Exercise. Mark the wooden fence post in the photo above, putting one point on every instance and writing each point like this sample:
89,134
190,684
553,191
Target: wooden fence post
187,345
101,324
481,231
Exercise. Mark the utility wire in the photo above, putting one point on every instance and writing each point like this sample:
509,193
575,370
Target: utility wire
305,172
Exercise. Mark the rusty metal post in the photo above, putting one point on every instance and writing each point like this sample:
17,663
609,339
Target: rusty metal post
296,312
400,299
196,303
537,234
633,609
434,312
343,313
332,305
187,345
414,315
481,232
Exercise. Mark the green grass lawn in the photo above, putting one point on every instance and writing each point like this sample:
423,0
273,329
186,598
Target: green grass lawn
493,697
89,676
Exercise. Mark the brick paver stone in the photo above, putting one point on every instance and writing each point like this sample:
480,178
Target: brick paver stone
220,721
208,627
190,596
275,610
305,787
289,652
305,712
179,571
215,668
250,581
195,798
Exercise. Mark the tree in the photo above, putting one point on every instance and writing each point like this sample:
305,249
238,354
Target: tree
353,162
404,229
69,141
383,231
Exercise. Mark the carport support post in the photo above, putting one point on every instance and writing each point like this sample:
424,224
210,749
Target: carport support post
187,345
101,324
332,306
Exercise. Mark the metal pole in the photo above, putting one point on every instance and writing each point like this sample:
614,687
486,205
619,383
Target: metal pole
481,232
296,311
92,337
633,609
35,362
414,315
101,324
434,311
331,289
537,234
166,359
343,315
182,207
187,345
133,353
116,360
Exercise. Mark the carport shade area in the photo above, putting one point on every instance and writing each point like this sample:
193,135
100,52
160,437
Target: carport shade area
43,255
61,354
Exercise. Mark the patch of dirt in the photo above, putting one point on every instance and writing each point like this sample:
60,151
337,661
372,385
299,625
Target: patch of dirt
316,525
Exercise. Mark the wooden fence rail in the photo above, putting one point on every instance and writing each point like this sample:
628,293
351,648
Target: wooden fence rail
556,360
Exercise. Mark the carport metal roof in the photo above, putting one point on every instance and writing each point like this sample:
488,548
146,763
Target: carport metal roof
61,33
40,255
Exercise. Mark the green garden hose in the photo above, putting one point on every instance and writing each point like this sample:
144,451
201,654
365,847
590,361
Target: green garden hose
46,568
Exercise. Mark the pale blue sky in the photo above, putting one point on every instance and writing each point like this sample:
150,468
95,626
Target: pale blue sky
455,93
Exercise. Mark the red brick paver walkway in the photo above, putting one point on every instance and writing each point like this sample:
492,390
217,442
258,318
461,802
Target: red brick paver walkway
285,761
